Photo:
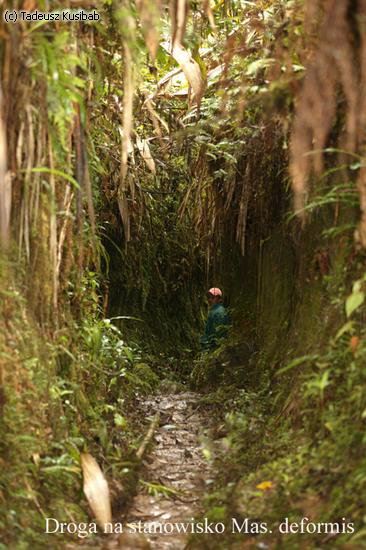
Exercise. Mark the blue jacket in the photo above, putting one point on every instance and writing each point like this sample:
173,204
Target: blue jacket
216,327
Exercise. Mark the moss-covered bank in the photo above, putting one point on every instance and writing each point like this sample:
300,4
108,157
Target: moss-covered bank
293,430
62,393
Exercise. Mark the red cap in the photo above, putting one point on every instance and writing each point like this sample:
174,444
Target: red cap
215,292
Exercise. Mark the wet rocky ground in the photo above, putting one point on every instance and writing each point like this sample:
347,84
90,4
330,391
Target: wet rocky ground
174,477
177,464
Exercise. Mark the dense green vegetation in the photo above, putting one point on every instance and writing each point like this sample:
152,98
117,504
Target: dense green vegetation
144,158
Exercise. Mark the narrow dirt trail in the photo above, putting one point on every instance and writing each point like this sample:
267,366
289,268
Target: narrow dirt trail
177,463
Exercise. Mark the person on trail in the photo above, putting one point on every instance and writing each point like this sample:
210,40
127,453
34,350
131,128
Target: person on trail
217,323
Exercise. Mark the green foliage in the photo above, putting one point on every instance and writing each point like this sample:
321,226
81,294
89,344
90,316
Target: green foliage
356,299
156,489
221,178
62,397
58,62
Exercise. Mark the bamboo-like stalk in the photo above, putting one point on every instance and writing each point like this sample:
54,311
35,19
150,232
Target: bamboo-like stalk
80,191
127,115
69,195
5,184
91,212
27,181
53,232
41,139
21,225
141,450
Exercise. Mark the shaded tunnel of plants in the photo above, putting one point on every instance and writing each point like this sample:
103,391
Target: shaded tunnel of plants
165,149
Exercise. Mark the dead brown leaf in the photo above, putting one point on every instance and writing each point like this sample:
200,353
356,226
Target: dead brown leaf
178,15
191,69
127,116
150,12
144,149
96,490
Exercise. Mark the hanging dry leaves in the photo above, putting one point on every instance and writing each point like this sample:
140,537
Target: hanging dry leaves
157,121
125,215
150,12
330,69
127,116
155,117
178,14
96,490
191,69
210,16
144,149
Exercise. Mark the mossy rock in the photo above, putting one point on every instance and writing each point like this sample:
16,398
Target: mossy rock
83,403
146,374
168,386
207,372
